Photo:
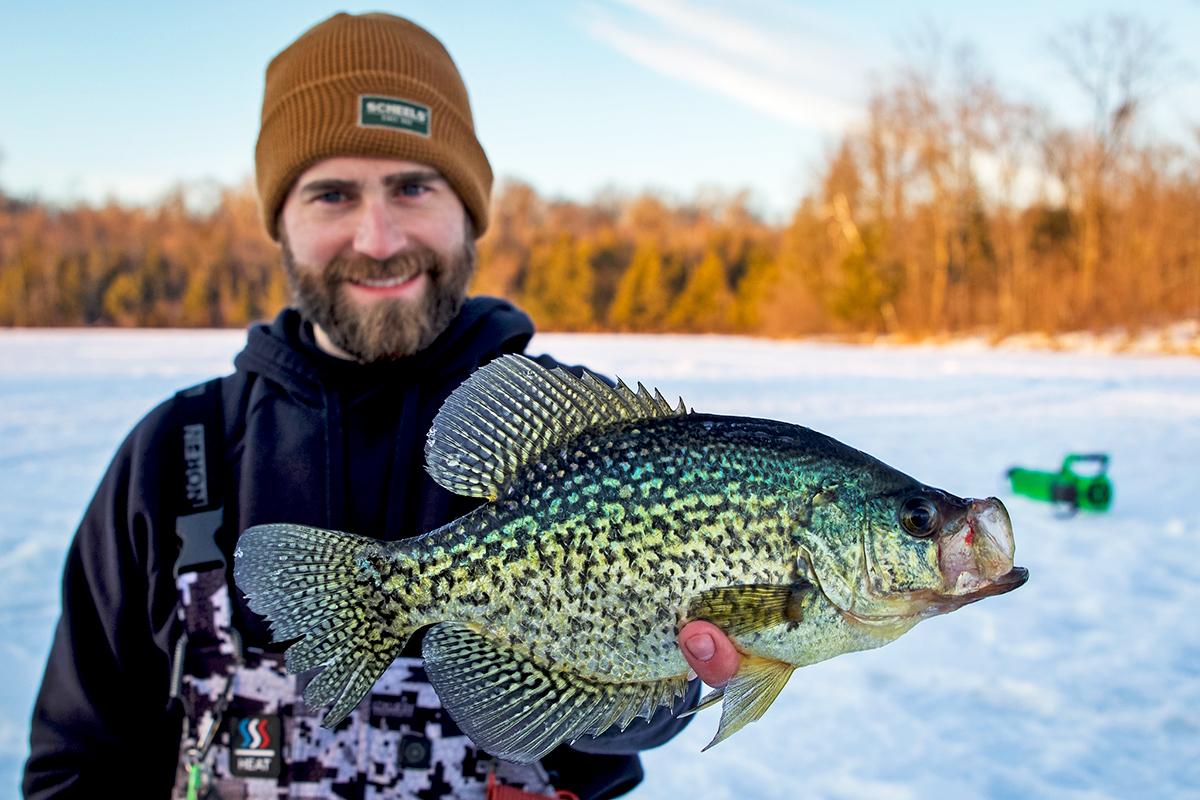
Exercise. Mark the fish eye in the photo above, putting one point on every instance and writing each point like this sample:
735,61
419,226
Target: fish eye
919,517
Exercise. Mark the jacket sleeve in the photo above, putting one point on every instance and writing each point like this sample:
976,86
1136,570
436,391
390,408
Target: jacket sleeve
101,722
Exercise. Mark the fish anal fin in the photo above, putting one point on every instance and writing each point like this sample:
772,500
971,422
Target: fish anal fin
750,693
752,607
517,707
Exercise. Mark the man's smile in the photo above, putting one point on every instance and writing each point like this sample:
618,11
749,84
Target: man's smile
379,288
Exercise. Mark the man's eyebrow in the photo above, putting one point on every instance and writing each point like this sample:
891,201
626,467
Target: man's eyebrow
411,176
328,185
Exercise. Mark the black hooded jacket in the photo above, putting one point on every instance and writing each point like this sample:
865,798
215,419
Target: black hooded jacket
309,439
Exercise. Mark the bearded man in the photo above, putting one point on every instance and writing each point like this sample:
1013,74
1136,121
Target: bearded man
161,679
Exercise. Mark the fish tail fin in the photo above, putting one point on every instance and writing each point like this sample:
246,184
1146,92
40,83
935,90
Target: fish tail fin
328,590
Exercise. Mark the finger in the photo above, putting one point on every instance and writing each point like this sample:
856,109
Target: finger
709,652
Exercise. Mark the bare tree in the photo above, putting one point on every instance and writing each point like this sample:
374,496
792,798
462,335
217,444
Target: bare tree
1120,65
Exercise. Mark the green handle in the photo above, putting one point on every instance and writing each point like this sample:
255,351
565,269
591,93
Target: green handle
1100,458
193,782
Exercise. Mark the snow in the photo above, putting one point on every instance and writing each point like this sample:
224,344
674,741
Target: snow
1083,684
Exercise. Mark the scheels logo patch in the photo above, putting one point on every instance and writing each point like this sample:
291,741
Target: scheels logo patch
394,113
255,747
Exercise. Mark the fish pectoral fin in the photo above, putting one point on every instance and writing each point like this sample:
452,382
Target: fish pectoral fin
750,693
752,607
707,701
518,707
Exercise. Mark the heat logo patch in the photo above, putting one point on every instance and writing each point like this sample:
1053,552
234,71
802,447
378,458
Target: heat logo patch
255,747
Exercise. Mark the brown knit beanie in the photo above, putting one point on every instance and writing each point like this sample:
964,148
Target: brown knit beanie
370,85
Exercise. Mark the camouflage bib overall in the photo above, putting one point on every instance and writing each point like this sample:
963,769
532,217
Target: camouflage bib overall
247,732
250,734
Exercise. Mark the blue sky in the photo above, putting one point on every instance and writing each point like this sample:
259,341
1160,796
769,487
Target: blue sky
125,100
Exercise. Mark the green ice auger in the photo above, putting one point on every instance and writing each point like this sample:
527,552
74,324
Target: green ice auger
1066,488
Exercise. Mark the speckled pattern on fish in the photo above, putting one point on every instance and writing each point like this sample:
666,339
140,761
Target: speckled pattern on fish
613,520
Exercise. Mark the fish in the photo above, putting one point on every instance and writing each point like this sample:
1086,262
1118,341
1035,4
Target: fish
612,519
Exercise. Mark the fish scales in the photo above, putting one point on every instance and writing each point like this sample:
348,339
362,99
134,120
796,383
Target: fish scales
533,562
612,520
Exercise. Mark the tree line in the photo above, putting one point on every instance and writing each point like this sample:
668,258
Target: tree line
164,266
953,208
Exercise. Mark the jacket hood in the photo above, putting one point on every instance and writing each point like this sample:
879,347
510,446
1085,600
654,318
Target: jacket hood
485,328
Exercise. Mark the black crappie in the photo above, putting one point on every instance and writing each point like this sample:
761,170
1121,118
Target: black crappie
613,520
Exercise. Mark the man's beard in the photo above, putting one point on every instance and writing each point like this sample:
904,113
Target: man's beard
389,328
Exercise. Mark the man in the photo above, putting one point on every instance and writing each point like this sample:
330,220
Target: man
372,181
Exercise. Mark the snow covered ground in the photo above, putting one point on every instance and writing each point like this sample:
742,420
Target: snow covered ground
1083,684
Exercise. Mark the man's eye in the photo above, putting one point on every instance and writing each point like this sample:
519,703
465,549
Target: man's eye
332,196
413,189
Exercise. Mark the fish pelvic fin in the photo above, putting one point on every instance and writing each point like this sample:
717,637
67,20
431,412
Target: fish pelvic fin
708,701
512,410
325,588
748,694
517,707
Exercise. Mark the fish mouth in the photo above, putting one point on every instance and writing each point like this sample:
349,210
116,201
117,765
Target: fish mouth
976,559
977,552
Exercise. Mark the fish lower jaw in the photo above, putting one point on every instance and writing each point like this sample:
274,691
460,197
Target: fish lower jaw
915,606
970,589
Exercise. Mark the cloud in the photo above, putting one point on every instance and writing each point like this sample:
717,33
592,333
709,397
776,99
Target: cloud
764,57
730,33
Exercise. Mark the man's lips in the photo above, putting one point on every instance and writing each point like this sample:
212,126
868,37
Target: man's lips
378,288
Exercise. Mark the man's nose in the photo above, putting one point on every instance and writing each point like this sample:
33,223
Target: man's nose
380,234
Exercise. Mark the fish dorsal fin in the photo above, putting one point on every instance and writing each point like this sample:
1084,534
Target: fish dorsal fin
518,708
512,410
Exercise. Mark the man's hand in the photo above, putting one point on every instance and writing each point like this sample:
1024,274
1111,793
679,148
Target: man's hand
709,652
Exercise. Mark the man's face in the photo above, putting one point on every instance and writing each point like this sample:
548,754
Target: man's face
379,254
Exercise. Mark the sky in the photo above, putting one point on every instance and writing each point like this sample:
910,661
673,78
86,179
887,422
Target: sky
128,100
